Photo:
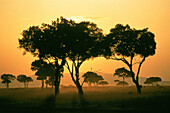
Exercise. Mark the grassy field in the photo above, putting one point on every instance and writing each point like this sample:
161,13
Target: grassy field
96,100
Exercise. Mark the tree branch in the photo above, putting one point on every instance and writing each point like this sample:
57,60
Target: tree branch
137,75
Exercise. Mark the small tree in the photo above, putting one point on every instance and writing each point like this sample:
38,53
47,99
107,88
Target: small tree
122,72
92,77
103,83
28,79
7,78
43,70
22,78
153,80
123,83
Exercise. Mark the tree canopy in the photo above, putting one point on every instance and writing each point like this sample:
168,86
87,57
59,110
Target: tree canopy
124,44
152,80
7,78
92,77
103,82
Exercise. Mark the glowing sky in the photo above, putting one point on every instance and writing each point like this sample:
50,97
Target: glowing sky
17,15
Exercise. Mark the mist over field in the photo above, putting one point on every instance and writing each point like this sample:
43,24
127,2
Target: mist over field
66,81
97,100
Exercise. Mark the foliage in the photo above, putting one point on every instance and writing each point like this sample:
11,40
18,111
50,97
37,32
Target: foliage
122,72
103,83
49,42
128,44
152,80
7,78
92,77
83,41
24,79
122,83
116,80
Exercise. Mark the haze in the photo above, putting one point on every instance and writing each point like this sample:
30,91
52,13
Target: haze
18,15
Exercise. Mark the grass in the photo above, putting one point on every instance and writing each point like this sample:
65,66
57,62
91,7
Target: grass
97,100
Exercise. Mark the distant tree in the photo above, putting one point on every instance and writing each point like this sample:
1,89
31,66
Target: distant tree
116,80
43,70
103,83
122,72
28,79
47,82
22,78
6,79
128,45
122,83
51,80
153,80
92,77
41,76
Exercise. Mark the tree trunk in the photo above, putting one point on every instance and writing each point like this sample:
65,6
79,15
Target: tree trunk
42,86
123,81
57,84
139,87
79,87
7,85
57,81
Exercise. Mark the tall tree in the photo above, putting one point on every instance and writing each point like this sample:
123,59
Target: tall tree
82,39
122,72
125,44
47,42
6,79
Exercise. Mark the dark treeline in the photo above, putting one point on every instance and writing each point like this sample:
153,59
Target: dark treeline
65,40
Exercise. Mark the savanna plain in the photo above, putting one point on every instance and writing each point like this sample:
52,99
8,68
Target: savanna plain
103,99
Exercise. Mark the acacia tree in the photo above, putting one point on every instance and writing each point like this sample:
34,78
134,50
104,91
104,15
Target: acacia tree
28,79
125,44
24,79
103,82
152,80
47,42
82,39
92,77
43,70
7,79
122,72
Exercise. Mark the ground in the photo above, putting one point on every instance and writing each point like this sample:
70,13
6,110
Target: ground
106,99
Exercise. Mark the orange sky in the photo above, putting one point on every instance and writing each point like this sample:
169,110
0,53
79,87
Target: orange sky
17,15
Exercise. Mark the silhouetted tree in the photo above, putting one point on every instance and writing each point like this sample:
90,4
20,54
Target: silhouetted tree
48,43
122,72
28,79
43,70
24,79
122,83
42,78
92,77
103,83
82,39
116,80
47,82
125,44
6,79
152,80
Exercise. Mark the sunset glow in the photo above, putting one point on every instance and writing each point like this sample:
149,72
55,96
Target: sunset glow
18,15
